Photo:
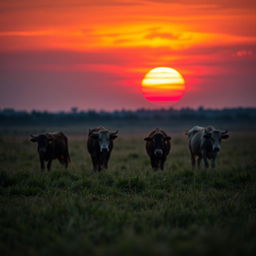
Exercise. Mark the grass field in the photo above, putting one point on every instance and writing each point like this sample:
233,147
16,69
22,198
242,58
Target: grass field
128,209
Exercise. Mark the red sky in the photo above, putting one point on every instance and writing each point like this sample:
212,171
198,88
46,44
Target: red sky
93,54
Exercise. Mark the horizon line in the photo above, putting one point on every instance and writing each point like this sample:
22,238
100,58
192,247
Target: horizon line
77,110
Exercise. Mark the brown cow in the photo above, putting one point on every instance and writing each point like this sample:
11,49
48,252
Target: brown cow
99,146
158,147
52,146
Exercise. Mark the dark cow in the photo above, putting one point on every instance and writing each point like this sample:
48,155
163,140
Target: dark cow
158,147
52,146
204,143
100,145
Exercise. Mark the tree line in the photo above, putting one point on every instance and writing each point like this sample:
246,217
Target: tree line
75,116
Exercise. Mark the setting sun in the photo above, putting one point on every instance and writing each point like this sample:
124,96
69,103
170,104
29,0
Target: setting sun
163,84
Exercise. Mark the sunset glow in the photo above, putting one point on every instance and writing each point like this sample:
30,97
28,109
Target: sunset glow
76,49
163,84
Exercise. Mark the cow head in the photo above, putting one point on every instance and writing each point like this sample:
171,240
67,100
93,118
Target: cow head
214,137
158,142
104,138
43,142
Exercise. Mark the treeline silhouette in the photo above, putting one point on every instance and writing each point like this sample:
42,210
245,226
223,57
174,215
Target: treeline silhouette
75,116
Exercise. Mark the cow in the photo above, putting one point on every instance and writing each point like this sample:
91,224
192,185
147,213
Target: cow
204,143
100,145
158,147
52,146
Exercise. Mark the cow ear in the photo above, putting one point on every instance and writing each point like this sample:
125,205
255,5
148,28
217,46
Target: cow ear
168,138
33,138
113,135
147,139
224,136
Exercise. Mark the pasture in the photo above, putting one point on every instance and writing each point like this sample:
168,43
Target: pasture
128,209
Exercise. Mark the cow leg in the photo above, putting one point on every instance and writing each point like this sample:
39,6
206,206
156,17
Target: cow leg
95,164
162,165
199,161
42,164
61,160
193,161
100,163
204,156
95,167
205,162
153,164
157,163
66,162
213,162
106,165
67,158
49,165
101,166
106,161
162,162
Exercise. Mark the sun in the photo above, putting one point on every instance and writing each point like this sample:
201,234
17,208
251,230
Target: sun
163,85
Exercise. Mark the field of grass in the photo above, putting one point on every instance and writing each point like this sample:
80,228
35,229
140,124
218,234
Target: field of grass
128,209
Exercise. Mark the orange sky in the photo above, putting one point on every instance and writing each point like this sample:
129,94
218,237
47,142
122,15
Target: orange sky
94,54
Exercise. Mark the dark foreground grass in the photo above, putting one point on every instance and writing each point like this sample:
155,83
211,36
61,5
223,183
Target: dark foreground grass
128,209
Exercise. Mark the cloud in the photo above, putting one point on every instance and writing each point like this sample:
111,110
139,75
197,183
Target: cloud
156,32
243,53
217,3
16,5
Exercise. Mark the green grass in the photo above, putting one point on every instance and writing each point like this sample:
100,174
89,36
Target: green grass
128,209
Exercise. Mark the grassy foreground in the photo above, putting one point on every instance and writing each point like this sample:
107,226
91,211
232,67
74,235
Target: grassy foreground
128,209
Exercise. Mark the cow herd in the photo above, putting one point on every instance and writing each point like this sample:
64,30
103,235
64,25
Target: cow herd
203,142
